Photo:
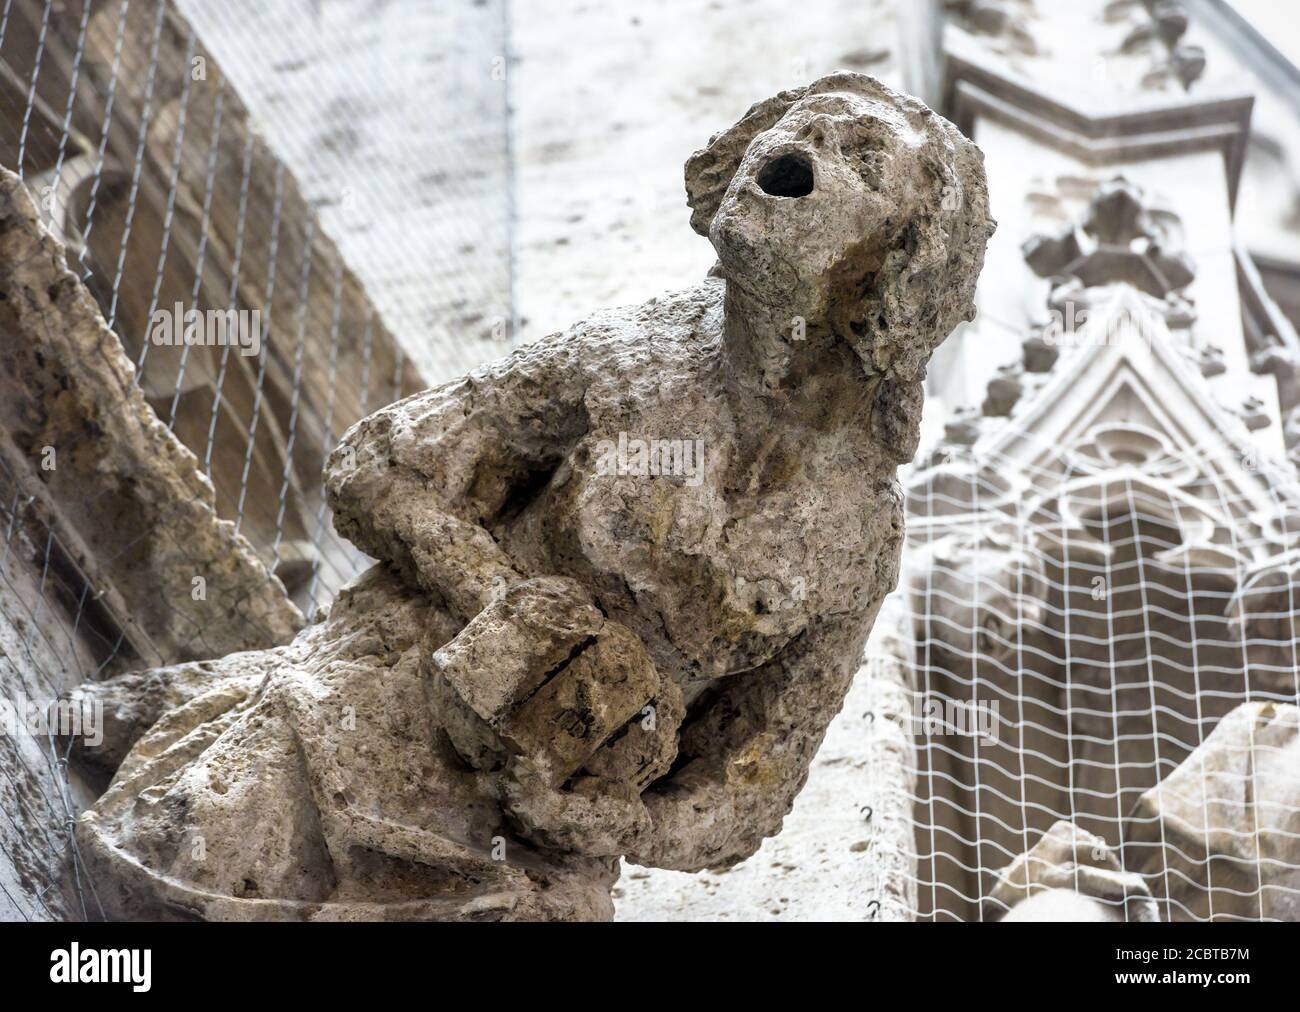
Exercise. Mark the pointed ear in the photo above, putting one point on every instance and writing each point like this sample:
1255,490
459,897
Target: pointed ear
709,171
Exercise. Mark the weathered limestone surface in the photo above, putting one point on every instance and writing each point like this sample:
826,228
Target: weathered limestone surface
1071,875
37,800
128,500
567,655
171,197
1219,838
1214,840
109,529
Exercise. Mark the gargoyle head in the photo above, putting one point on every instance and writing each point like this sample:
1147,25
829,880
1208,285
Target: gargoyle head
853,208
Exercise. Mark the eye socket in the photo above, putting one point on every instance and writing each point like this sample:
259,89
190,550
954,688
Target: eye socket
786,176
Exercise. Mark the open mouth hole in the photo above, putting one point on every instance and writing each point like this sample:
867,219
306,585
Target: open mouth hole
786,176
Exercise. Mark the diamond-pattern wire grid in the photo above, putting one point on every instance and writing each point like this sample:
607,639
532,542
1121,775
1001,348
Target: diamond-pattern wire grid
1074,642
135,141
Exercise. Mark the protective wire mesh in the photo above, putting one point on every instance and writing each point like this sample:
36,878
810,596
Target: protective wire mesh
136,144
1095,627
1081,626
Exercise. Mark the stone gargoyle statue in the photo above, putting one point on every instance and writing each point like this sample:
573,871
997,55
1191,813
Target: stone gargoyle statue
625,578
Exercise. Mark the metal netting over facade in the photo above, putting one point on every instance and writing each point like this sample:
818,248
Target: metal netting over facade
1089,679
196,198
1085,617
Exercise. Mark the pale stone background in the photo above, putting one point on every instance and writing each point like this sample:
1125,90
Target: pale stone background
610,100
392,115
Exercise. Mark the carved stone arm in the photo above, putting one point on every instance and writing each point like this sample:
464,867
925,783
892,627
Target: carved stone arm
420,482
749,753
